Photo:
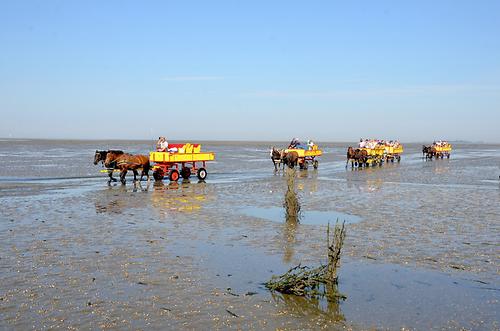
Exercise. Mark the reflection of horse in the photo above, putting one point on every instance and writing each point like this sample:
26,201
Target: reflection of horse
100,156
357,157
277,157
290,159
117,200
428,151
126,162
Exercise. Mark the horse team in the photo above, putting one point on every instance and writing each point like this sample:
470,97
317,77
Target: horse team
119,160
116,159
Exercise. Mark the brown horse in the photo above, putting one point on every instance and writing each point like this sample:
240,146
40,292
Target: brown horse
357,157
100,156
277,157
428,151
126,162
291,159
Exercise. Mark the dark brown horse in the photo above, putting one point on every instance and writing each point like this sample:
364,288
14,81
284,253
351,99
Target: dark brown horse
290,159
100,156
428,151
277,157
126,162
357,156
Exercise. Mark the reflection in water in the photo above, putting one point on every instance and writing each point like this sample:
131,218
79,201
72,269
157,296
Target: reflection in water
179,197
442,167
368,186
312,306
291,202
292,215
289,236
311,184
115,199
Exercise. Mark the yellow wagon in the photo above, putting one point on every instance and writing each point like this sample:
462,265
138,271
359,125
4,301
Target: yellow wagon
187,159
393,153
443,151
307,156
374,155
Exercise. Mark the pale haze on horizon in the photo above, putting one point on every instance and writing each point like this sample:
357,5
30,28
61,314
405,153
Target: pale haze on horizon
226,70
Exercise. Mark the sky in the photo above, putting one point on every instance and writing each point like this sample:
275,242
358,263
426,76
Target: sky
250,70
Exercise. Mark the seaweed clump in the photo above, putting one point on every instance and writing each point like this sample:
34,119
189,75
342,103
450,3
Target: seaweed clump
313,282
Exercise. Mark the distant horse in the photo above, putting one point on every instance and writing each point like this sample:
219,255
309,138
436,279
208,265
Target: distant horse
126,162
356,156
428,152
100,156
291,159
277,157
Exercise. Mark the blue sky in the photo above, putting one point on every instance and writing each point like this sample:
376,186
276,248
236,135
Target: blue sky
256,70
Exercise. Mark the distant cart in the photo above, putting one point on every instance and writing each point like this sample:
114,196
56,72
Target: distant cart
383,153
375,156
307,157
186,160
442,151
393,153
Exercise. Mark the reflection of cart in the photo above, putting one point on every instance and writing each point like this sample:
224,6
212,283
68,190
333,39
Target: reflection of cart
442,151
307,156
186,160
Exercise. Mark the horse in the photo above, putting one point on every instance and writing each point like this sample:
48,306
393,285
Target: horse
100,156
277,157
428,152
290,159
125,162
358,156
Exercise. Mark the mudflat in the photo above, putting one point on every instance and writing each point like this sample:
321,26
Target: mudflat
421,252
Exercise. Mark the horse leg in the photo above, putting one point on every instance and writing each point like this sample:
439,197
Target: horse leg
110,174
135,174
145,171
122,176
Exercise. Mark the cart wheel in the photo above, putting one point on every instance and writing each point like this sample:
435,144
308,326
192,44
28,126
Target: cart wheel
185,172
174,175
399,158
448,156
315,164
158,174
202,174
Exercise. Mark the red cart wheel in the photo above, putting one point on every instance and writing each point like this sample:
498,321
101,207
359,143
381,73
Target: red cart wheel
174,175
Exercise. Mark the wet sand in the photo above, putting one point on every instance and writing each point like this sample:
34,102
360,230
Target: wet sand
75,253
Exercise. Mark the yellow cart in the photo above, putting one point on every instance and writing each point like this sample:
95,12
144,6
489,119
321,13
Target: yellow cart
187,159
443,151
307,156
374,155
393,153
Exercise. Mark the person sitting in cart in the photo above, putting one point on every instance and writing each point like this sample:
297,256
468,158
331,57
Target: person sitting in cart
310,144
294,143
162,144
